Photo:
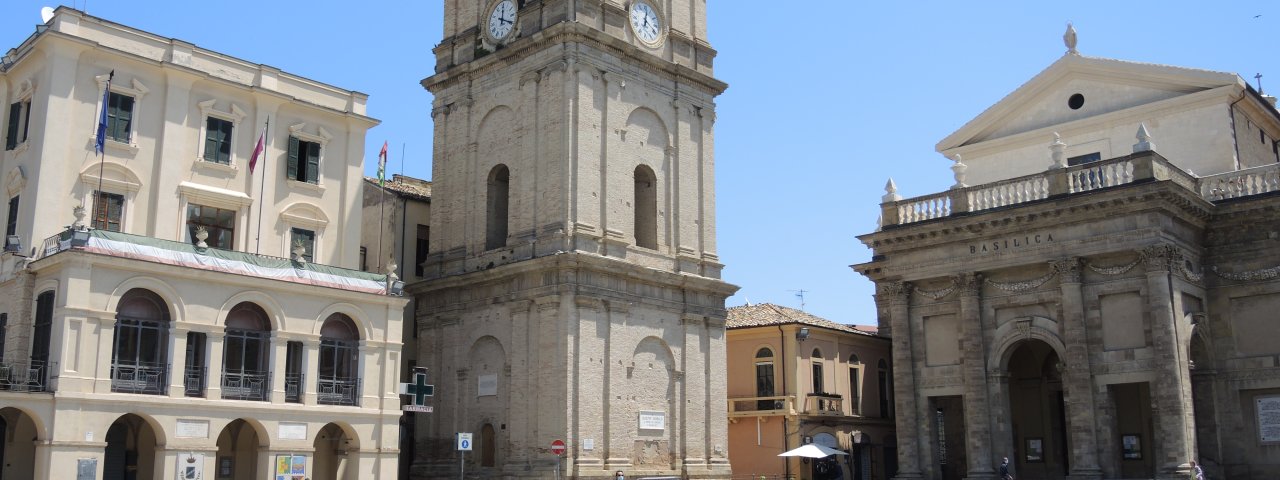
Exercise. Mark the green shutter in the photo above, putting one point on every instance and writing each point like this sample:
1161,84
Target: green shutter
26,121
119,117
11,138
210,139
313,162
293,158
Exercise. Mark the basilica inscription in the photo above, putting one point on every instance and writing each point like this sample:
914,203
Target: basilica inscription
1011,243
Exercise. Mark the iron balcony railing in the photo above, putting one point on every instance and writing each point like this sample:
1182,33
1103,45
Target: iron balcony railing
139,377
193,382
26,376
246,385
293,385
337,390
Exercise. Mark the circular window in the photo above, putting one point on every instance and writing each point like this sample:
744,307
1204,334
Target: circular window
1076,101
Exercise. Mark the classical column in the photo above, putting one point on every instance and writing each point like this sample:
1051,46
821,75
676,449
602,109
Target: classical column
177,382
898,295
1172,386
1107,434
310,371
213,375
694,418
977,412
1077,379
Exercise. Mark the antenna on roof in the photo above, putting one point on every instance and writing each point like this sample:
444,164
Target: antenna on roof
46,14
800,295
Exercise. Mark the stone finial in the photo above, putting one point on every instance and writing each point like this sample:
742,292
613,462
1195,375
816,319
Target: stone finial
391,268
958,169
890,192
879,222
1058,152
1144,140
202,234
1069,38
80,215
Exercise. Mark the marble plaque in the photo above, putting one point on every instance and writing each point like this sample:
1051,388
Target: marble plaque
1268,418
186,428
653,420
487,385
292,431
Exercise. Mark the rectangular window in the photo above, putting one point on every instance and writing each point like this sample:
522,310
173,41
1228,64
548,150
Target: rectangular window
1083,159
217,141
817,378
293,372
420,254
364,259
764,385
194,376
304,161
19,123
220,223
853,391
108,210
4,327
119,117
11,225
308,240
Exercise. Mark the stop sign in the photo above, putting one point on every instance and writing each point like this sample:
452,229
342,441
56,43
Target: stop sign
557,447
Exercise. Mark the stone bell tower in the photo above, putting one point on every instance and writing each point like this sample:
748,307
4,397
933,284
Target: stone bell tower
573,289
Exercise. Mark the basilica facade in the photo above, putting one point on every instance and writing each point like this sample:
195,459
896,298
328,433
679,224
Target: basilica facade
1095,296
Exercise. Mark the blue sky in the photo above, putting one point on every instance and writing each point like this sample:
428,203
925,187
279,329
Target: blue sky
827,99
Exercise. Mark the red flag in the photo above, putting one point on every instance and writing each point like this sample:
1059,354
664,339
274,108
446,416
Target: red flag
382,165
257,150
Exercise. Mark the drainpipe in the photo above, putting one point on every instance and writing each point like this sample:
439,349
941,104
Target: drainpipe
782,341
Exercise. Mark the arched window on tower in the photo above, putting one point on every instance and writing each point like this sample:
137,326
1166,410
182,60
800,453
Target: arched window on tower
139,360
764,379
646,205
338,378
498,200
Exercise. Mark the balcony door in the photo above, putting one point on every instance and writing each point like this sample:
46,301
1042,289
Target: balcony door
246,374
139,353
764,379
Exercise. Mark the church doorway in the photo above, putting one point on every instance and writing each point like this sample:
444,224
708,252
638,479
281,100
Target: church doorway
333,447
487,447
949,437
1133,427
238,451
131,450
1038,412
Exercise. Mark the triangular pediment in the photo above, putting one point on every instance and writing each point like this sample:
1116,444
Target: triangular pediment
1103,85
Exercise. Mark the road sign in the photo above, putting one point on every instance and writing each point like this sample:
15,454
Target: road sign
419,390
464,442
417,408
557,447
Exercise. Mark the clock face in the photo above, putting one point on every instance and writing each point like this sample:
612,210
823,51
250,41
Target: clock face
645,22
502,20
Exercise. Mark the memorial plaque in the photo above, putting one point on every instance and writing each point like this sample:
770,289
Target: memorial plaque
653,420
292,431
191,428
487,385
1268,419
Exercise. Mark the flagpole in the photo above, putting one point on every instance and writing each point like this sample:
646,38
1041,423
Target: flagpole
263,188
101,146
382,199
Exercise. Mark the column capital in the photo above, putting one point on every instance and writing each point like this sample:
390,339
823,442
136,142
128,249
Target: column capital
968,283
1068,269
1160,257
894,292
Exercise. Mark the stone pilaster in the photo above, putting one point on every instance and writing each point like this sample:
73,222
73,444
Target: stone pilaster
898,296
977,411
1076,378
1175,424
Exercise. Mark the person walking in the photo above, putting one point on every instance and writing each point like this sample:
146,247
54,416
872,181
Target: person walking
1004,470
1197,471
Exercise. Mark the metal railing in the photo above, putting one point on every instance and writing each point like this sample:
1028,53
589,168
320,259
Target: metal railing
337,390
293,385
246,385
772,405
140,377
26,376
193,382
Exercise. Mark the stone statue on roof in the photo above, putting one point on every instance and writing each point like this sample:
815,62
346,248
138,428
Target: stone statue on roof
1069,38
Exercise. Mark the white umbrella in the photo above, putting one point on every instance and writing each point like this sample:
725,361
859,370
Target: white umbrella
812,450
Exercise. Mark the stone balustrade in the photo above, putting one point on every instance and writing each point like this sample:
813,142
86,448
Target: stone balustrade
1241,183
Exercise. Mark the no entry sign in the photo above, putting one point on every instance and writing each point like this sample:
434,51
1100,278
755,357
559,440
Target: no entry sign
557,447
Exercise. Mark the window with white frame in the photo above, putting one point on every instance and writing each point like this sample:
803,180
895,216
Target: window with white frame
306,150
305,237
123,103
19,124
218,133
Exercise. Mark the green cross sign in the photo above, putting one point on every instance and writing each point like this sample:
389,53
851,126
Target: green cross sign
419,390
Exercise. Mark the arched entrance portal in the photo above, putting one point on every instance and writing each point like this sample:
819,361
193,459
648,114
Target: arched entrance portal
238,451
131,450
332,461
1037,410
17,444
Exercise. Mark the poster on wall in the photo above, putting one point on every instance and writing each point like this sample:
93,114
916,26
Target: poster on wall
190,466
1131,447
1035,450
1268,409
291,467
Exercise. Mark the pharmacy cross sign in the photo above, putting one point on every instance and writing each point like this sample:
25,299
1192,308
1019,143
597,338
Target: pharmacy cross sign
419,390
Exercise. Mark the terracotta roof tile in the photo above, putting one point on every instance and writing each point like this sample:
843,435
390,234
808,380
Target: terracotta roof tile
768,314
406,186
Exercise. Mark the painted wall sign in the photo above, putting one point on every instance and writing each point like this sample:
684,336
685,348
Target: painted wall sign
1011,243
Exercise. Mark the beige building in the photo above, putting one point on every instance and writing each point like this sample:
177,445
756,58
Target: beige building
1095,296
572,285
795,378
150,327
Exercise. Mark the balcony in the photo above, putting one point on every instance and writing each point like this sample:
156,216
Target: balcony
193,382
139,377
246,385
337,391
823,404
293,385
1074,180
762,406
26,376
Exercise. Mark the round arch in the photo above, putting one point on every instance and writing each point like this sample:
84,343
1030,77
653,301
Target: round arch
351,311
646,118
350,432
655,345
764,347
40,427
264,439
1015,331
305,215
275,313
170,296
100,423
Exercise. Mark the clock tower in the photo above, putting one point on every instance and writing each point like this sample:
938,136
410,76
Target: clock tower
572,288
